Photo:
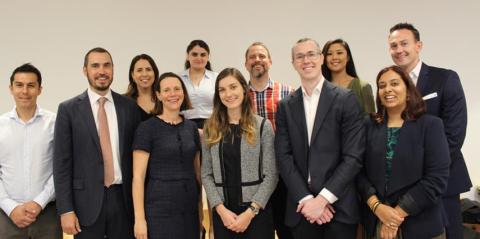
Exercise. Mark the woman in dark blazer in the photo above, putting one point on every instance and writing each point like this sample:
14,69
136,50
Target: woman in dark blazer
406,163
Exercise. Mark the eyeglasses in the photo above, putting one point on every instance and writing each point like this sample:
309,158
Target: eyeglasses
311,55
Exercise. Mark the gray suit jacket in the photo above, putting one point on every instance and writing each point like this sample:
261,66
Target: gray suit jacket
252,192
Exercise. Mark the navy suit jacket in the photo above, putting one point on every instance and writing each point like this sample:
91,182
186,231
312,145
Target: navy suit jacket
334,156
78,164
449,104
419,175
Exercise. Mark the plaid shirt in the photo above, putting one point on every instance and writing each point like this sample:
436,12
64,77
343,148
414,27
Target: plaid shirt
265,102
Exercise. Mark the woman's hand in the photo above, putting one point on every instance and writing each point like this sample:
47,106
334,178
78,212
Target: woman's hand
242,221
387,232
140,229
389,216
227,216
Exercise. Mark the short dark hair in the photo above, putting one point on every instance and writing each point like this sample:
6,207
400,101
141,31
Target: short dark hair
186,104
202,44
27,68
350,67
415,105
132,90
97,50
406,26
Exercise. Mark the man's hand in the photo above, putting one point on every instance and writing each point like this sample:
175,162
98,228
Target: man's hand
327,215
312,209
32,208
20,217
70,224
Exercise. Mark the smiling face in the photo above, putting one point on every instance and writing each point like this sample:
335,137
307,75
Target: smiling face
171,94
143,74
257,61
198,58
231,93
307,60
392,91
336,58
404,49
99,72
25,90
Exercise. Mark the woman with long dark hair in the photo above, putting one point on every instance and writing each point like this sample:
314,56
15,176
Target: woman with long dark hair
339,69
238,169
143,73
406,163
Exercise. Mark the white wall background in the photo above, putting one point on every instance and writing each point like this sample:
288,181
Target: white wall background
54,35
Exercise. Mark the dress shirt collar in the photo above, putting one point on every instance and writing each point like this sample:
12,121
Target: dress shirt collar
416,72
94,96
208,74
268,86
316,91
14,115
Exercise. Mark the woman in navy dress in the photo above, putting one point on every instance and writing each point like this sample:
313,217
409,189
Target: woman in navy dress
166,157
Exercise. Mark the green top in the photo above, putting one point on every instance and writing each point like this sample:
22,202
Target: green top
392,139
363,91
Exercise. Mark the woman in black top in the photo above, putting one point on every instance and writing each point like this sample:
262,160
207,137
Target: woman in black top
166,152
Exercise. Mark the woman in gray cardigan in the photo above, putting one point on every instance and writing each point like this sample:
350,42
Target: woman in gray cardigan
238,168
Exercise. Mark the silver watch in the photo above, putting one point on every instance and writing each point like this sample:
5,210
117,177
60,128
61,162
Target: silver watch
254,209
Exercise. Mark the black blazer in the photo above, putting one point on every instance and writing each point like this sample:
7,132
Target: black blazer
78,163
334,156
418,178
450,106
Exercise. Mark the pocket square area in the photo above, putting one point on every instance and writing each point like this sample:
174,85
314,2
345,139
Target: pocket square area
430,96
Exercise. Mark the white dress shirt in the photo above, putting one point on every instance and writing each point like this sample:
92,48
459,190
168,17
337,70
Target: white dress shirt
112,128
200,95
416,72
26,159
310,103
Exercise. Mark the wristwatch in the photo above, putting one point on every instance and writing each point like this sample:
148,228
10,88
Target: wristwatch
255,210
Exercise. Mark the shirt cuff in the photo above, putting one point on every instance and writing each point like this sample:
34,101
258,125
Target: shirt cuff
8,205
42,199
309,196
331,198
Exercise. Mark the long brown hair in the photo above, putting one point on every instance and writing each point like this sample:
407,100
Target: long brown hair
216,126
415,105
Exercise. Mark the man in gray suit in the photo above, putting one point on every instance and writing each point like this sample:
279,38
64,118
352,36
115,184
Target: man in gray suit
93,156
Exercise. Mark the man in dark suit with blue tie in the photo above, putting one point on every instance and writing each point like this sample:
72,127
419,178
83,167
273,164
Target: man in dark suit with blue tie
93,156
443,94
319,145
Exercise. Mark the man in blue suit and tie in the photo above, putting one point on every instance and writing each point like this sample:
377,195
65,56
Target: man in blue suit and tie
443,94
92,164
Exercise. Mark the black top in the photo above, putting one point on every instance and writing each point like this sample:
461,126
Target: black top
172,148
232,164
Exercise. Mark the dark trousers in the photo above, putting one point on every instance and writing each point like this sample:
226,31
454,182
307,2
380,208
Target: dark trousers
113,221
47,226
261,226
454,228
337,230
278,201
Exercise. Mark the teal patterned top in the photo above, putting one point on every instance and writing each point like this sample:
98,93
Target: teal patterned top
392,139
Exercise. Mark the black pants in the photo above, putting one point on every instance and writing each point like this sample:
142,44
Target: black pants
454,228
333,229
113,221
261,226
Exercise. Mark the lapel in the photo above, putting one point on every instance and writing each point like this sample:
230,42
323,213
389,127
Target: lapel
298,114
88,119
422,80
327,96
121,116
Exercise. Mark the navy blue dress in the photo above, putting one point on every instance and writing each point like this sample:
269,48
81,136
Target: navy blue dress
171,192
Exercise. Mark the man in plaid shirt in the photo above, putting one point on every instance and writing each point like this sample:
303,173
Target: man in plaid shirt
265,95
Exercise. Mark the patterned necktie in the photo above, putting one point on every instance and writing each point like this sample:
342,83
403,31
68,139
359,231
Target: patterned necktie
105,143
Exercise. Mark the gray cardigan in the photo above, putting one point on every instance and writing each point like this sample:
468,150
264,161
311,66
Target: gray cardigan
249,156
